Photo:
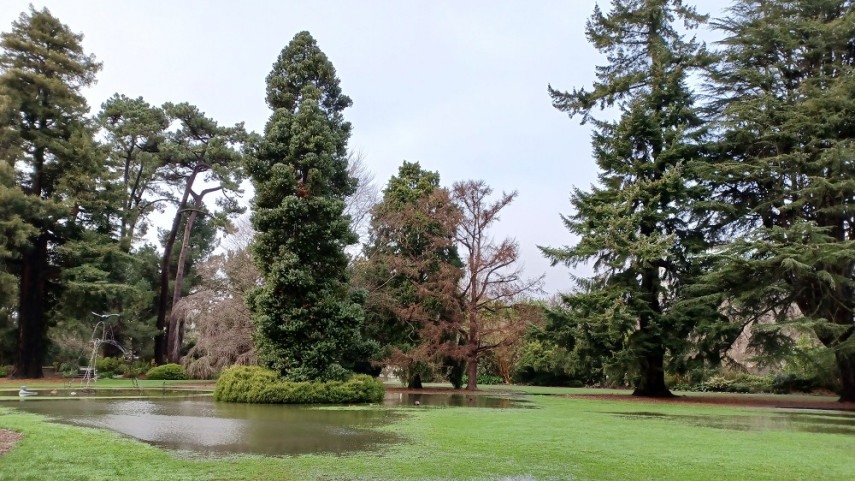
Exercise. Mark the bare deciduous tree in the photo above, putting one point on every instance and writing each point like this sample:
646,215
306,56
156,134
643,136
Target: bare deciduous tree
492,279
218,309
358,205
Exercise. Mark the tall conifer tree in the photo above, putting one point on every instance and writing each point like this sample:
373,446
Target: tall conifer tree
308,322
785,187
45,135
412,270
635,225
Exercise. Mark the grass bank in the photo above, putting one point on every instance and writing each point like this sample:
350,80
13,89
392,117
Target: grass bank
558,439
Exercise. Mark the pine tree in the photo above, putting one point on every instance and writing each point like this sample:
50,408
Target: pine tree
635,226
15,232
784,185
135,132
201,158
45,134
308,322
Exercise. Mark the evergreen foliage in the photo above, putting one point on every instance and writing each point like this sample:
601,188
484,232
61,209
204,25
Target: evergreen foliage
200,158
167,372
253,384
411,272
636,226
135,132
308,322
46,138
784,184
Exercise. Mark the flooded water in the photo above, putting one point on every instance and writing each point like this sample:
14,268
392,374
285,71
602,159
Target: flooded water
198,424
83,391
812,421
451,400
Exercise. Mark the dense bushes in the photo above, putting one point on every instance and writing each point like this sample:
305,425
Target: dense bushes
167,372
545,364
486,379
252,384
783,383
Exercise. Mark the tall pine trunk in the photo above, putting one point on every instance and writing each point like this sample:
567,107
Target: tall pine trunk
160,339
176,323
161,346
32,325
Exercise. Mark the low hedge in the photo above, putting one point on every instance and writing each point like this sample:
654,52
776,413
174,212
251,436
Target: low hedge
253,384
167,372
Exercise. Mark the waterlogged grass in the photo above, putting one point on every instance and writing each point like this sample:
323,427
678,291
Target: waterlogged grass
560,439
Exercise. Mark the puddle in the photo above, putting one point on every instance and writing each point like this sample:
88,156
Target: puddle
452,400
187,421
836,422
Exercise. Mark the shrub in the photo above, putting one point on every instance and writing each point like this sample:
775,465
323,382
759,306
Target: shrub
167,372
253,384
789,382
135,369
109,366
4,371
718,384
485,379
723,381
68,369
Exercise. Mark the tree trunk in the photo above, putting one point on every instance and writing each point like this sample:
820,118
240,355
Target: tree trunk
160,340
846,367
652,383
176,323
162,301
472,372
652,354
472,348
32,325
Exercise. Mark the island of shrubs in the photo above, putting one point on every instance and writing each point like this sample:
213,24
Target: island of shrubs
253,384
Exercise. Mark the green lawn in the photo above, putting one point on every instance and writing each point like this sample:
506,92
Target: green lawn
559,439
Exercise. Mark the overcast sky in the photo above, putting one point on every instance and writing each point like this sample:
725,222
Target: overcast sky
458,86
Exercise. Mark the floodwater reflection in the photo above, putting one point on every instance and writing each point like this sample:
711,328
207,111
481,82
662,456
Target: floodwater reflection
201,425
835,422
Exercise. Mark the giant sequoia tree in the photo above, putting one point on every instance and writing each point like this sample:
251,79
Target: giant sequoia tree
635,225
308,322
44,135
784,186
